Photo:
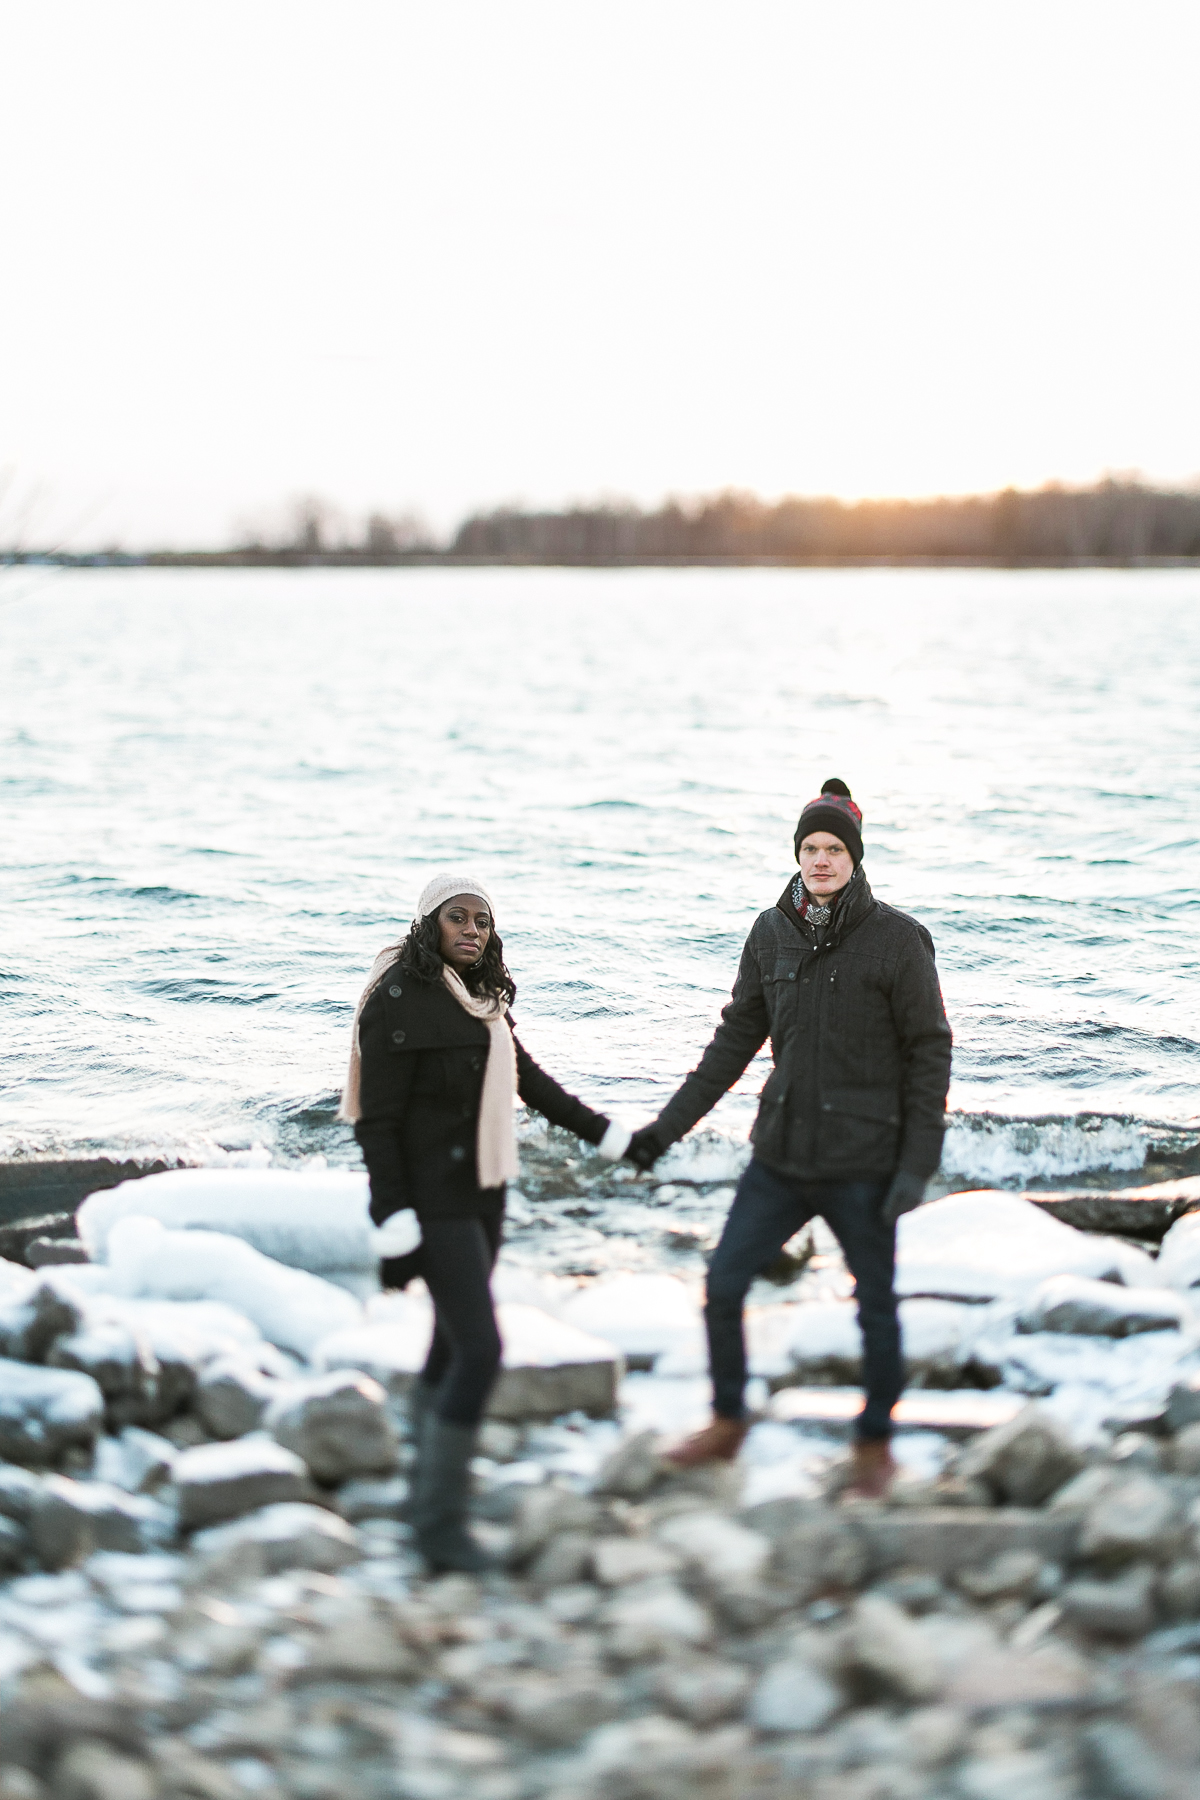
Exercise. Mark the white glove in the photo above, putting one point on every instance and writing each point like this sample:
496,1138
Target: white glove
397,1236
614,1143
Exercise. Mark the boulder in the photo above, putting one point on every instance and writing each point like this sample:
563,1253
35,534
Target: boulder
815,1548
1183,1403
30,1322
338,1423
1024,1461
889,1654
651,1619
14,1545
616,1561
138,1461
289,1535
1138,1212
232,1396
124,1368
1179,1259
74,1518
1135,1518
990,1245
631,1470
365,1499
19,1493
549,1367
44,1412
714,1547
949,1540
216,1482
793,1696
542,1513
705,1691
1075,1304
1119,1608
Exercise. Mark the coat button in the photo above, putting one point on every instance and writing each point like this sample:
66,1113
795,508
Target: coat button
477,1062
457,1153
395,992
397,1037
791,975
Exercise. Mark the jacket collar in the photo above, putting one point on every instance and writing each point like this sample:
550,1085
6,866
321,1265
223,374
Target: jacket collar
853,904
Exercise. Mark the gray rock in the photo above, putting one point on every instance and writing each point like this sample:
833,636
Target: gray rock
138,1461
1121,1764
1183,1404
1077,1305
947,1540
654,1618
889,1652
1012,1575
1136,1518
216,1482
29,1326
542,1513
616,1561
339,1424
93,1770
290,1535
703,1692
51,1252
632,1469
14,1546
793,1696
123,1366
1185,1451
44,1412
1020,1775
1121,1608
20,1491
232,1397
816,1550
566,1560
366,1499
1048,1677
553,1711
1179,1589
73,1518
1023,1462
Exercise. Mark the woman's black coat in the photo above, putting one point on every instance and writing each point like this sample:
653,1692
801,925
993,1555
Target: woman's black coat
423,1060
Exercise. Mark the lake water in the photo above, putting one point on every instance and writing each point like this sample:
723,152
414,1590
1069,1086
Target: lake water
222,792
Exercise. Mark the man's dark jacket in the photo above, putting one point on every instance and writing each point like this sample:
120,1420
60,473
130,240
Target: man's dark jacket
859,1037
423,1062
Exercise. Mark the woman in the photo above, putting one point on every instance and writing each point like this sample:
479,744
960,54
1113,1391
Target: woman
434,1067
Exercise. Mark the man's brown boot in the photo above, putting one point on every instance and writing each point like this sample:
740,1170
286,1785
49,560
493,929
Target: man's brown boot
718,1442
872,1471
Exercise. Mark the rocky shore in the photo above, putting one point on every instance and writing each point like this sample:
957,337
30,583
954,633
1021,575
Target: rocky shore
207,1589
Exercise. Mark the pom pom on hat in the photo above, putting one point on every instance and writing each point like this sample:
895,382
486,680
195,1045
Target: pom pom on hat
833,811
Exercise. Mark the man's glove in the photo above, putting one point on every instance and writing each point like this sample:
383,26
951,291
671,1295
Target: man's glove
905,1192
645,1148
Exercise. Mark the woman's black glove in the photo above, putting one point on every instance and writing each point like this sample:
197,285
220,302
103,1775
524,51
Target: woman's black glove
645,1148
905,1192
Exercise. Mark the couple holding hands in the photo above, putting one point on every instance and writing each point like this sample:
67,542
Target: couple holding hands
849,1127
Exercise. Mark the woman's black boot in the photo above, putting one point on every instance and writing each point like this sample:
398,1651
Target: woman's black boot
437,1510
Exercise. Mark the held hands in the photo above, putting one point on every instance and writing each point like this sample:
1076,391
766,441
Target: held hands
645,1148
905,1192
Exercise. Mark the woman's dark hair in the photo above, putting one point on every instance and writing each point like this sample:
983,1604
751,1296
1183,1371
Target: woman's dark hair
420,956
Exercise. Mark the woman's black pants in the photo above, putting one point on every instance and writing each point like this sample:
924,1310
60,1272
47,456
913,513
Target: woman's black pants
456,1261
768,1209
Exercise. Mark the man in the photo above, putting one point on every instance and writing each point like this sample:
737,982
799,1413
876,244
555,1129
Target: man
850,1120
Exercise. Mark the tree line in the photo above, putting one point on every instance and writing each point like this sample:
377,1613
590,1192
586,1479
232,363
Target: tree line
1113,520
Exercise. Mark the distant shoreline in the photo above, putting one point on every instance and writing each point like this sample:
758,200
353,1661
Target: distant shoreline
426,559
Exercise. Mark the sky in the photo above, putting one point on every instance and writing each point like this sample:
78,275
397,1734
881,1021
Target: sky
505,251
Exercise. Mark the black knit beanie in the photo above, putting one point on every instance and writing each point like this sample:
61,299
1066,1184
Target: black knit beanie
834,811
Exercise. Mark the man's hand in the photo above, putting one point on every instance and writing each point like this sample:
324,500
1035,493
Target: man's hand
905,1192
645,1148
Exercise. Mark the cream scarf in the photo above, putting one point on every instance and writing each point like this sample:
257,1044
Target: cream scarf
495,1138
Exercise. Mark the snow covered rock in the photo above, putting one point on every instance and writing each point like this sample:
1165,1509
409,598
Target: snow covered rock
136,1388
1077,1304
653,1320
1136,1518
1178,1263
891,1652
30,1321
138,1461
288,1306
71,1519
308,1219
288,1535
991,1245
216,1482
232,1396
821,1342
549,1366
1023,1462
46,1411
793,1696
338,1423
1121,1607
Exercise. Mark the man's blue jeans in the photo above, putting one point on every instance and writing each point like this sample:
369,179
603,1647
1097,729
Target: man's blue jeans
767,1210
